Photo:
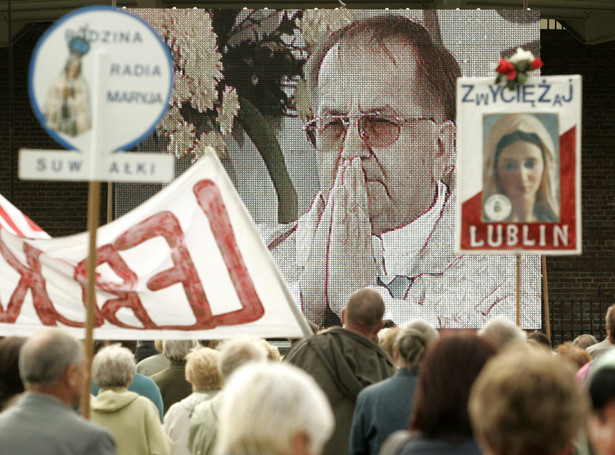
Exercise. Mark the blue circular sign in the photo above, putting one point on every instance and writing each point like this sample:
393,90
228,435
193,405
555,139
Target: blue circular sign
100,71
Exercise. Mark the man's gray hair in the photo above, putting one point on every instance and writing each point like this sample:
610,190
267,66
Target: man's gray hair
502,333
282,402
238,351
43,359
113,366
177,349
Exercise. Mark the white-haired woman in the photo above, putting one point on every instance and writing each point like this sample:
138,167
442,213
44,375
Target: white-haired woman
519,164
273,409
132,419
202,372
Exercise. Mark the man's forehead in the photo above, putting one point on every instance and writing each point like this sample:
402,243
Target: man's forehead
371,76
363,49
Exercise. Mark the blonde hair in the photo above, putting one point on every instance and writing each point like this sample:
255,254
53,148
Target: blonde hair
546,198
202,369
386,340
237,351
525,402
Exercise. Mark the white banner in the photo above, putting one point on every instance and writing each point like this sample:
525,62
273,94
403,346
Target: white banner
188,263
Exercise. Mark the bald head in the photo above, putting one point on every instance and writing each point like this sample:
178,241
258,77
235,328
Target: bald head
364,312
44,357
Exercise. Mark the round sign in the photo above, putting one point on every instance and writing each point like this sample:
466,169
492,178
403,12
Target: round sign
100,69
498,207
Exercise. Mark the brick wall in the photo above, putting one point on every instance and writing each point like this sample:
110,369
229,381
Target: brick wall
582,287
574,282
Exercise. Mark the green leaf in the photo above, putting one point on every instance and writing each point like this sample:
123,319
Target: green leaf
521,78
522,66
261,131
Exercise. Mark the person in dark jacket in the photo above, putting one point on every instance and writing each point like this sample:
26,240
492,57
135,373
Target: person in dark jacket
440,424
385,407
172,381
344,361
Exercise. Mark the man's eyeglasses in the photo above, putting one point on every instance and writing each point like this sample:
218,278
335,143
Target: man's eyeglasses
376,130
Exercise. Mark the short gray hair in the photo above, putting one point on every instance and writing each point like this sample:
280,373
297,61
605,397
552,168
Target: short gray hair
238,351
502,333
282,402
424,328
43,359
113,366
178,349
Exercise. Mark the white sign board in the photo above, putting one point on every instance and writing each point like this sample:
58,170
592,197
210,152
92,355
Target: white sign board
519,166
100,80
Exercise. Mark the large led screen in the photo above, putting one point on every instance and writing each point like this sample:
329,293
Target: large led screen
338,130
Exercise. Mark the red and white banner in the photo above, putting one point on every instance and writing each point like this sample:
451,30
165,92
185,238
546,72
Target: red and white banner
188,263
519,166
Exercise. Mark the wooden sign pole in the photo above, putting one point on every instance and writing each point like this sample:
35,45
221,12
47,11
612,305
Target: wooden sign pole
97,144
93,221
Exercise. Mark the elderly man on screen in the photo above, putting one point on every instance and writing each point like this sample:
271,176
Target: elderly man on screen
384,135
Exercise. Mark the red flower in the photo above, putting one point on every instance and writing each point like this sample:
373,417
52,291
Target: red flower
505,67
536,63
512,75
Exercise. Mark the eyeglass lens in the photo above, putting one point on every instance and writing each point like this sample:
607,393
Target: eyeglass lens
374,130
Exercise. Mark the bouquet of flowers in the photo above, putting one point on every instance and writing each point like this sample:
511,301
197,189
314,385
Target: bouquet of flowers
513,71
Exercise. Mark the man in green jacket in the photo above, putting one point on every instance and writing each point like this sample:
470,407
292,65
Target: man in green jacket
345,360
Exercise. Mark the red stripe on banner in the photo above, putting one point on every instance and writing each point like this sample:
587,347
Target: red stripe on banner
5,216
567,176
35,227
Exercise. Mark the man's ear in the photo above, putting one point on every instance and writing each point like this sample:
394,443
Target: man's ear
74,376
343,317
443,163
300,444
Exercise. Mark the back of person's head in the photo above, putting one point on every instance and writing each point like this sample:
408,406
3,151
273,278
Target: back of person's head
202,369
527,402
450,368
540,338
576,355
236,352
410,347
269,408
502,333
113,366
44,358
10,382
178,349
601,387
364,311
437,69
386,340
429,333
584,341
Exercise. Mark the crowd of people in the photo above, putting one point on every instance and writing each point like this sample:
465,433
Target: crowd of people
344,390
385,153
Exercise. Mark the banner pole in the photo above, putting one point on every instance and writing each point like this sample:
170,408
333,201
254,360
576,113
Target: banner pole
545,294
518,318
93,215
97,144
